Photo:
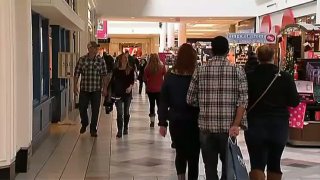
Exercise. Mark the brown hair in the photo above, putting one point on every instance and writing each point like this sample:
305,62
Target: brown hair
154,64
186,60
128,67
265,53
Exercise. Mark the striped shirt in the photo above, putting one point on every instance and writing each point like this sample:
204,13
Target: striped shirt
91,72
218,88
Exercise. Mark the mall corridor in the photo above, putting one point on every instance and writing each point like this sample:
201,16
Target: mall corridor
143,155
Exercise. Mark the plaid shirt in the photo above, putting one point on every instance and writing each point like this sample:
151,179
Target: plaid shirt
91,73
218,88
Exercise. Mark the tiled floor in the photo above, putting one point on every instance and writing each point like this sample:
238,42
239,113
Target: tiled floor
143,155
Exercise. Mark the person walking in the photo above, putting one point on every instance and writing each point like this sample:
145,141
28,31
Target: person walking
122,83
219,89
268,120
94,78
153,76
181,116
141,67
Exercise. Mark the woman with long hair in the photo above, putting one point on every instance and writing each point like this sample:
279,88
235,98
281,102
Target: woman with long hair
153,76
122,83
183,118
268,120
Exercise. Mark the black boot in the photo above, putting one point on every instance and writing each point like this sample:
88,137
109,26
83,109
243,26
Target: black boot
120,127
126,124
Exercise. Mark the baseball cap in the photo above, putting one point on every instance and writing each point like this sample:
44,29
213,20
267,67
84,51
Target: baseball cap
92,44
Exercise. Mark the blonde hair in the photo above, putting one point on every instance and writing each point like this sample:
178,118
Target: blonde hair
154,64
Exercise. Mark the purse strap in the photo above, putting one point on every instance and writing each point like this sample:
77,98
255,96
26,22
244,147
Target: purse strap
265,91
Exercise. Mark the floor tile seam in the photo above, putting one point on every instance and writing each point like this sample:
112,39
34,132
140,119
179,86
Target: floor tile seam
85,176
51,154
70,155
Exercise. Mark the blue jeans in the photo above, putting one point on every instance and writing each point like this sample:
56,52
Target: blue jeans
123,113
214,145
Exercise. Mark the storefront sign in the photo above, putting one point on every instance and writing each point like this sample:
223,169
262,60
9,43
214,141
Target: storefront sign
102,29
248,38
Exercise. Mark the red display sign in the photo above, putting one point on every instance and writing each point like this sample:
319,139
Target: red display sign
102,29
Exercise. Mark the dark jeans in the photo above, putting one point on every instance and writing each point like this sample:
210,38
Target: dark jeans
94,98
140,86
153,99
212,146
185,135
266,138
123,113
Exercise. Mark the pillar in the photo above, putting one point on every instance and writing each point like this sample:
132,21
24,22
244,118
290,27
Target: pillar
16,80
258,23
170,35
163,37
83,35
182,33
318,13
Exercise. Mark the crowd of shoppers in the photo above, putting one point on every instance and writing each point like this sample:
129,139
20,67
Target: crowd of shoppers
202,105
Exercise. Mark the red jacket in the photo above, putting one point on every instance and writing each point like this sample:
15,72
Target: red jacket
154,81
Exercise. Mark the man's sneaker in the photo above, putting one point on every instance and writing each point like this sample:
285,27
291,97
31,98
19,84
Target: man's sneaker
83,129
94,134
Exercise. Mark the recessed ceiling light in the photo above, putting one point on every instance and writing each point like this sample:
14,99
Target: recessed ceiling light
132,17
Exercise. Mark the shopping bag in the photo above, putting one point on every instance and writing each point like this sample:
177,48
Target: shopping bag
297,114
235,166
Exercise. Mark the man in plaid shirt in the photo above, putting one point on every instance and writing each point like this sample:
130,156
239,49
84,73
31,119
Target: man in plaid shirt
221,92
94,78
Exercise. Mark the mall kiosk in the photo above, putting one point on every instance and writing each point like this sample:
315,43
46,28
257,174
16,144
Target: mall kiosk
299,49
242,44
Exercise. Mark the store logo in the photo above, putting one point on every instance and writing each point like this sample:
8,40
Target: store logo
270,38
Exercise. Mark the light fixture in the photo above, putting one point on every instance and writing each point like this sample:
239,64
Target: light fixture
203,25
132,17
202,30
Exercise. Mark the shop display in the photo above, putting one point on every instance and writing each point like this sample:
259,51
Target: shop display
299,49
242,44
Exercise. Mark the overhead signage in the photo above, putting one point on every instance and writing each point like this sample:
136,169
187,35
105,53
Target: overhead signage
248,38
102,29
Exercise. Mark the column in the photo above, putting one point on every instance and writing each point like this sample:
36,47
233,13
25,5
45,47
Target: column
82,6
170,35
258,23
16,80
182,36
163,37
318,13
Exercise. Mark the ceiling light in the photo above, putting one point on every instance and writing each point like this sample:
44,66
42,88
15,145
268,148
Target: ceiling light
202,30
203,25
194,33
132,17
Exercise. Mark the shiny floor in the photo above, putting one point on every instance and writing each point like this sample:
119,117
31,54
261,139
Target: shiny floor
142,155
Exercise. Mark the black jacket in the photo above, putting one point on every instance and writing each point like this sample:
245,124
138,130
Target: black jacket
283,92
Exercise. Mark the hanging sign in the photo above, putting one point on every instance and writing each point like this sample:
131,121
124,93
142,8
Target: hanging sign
248,38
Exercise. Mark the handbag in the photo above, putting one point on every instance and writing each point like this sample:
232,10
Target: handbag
297,114
236,167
